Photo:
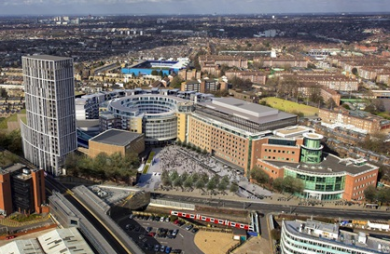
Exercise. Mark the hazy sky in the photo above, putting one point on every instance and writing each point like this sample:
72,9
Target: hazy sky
49,7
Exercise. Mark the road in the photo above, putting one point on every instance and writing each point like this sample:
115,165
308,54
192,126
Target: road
265,208
52,184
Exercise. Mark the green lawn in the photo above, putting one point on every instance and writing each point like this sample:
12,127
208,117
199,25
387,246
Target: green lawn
290,107
12,118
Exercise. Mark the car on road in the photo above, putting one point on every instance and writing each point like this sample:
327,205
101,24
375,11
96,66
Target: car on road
131,216
168,250
188,227
156,247
175,232
141,237
137,228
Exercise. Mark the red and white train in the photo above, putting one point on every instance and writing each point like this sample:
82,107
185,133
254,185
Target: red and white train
213,220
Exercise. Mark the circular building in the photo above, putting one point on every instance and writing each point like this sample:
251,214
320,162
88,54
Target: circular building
152,114
311,151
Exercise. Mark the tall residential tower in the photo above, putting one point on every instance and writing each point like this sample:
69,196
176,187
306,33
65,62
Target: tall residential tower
50,132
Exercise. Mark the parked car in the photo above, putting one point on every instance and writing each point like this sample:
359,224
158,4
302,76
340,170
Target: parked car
167,219
162,248
194,230
148,229
168,250
162,219
176,251
131,216
10,237
137,228
175,232
152,234
188,227
156,247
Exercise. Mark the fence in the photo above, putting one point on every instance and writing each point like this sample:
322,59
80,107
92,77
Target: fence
171,204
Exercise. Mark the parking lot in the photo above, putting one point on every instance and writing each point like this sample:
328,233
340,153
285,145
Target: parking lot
151,233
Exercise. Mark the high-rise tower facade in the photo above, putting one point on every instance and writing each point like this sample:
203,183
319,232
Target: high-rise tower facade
50,132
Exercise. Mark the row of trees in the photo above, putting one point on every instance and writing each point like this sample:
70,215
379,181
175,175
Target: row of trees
115,167
372,194
286,184
191,146
198,181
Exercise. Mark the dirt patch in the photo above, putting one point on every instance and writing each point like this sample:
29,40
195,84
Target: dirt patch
214,242
254,245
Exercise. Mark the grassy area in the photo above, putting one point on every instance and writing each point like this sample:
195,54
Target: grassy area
12,118
3,123
290,107
7,158
24,119
385,115
24,218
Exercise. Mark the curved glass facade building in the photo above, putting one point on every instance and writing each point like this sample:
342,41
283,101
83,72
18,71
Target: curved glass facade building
152,114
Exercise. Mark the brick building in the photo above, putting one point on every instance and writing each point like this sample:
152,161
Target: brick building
359,119
297,152
283,62
113,140
22,190
257,77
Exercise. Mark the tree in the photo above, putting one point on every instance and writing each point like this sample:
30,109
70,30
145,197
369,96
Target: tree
297,185
211,185
288,184
370,193
195,177
165,179
278,184
259,175
222,186
275,234
178,182
3,93
176,82
188,183
233,187
200,184
173,176
184,177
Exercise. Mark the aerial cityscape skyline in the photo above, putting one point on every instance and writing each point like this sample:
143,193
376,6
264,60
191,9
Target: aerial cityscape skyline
79,7
194,133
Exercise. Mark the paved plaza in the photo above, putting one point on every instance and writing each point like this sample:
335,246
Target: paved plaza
182,160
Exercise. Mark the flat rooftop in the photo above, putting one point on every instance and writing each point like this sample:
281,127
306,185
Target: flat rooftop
116,137
246,110
294,131
330,164
48,57
352,240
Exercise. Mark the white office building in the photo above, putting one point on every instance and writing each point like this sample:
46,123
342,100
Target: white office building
50,132
312,237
